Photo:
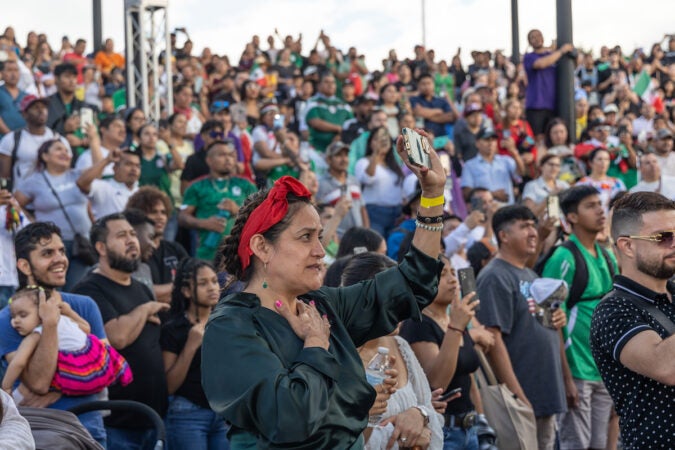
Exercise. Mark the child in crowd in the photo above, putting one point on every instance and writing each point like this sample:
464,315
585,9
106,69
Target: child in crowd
86,365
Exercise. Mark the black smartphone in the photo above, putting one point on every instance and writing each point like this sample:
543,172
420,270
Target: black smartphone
448,395
4,183
467,281
477,204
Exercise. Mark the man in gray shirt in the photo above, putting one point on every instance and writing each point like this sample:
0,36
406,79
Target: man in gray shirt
526,354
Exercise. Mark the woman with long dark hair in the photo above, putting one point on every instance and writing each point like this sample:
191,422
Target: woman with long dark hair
382,180
190,421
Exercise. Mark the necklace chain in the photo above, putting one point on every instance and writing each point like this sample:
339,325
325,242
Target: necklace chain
220,190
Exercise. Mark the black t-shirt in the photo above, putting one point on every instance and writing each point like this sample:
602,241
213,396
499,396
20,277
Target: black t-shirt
144,355
410,86
174,337
195,167
467,360
164,261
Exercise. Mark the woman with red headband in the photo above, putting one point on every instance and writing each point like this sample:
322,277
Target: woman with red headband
279,358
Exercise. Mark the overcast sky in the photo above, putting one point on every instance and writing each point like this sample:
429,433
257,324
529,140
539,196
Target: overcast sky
373,26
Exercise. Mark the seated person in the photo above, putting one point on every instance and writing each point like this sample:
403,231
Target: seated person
85,364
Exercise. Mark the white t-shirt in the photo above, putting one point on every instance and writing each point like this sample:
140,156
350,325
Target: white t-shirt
667,164
109,197
84,161
26,154
538,191
71,337
666,183
8,275
261,134
382,189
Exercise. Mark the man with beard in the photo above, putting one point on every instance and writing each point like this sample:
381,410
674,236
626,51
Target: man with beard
584,425
132,324
211,204
632,328
42,261
507,309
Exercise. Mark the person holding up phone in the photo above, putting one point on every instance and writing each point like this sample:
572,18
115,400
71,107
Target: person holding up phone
446,352
382,180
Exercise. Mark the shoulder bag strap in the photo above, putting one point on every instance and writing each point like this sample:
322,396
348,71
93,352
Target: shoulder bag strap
655,312
486,368
60,204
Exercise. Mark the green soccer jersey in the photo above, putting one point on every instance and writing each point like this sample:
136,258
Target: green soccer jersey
155,172
205,195
332,110
578,330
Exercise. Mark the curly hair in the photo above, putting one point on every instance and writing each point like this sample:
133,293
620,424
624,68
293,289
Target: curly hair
146,197
229,249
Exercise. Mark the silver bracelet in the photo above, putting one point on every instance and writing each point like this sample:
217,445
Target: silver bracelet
424,226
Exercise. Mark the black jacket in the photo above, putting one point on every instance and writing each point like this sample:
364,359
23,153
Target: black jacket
58,114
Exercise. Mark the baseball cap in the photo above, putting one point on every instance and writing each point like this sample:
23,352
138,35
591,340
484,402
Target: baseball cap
336,147
472,108
611,108
219,105
361,99
29,99
664,133
486,133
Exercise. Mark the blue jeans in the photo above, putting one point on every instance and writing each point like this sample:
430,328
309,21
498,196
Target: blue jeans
383,218
455,438
5,293
189,426
93,422
131,438
76,268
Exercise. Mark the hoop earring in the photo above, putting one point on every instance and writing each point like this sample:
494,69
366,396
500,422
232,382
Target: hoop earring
264,283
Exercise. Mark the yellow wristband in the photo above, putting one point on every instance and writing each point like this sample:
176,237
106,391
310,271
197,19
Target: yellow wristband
431,202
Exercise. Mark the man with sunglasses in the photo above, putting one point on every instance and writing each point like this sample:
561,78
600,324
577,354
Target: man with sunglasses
631,330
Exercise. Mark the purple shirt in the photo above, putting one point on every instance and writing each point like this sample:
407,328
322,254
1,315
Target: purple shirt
541,83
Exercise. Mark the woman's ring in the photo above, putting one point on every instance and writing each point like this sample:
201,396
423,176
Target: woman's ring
403,439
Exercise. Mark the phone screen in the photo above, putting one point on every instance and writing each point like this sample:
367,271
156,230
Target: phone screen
553,207
445,162
86,118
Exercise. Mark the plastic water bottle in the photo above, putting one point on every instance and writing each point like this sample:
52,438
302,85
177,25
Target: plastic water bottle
375,375
213,239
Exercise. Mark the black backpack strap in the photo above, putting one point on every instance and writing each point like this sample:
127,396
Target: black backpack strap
15,151
580,280
610,264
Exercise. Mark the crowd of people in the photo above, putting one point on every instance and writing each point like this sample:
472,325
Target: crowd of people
279,182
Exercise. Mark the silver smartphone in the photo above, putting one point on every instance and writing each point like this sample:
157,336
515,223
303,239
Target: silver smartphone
86,118
417,147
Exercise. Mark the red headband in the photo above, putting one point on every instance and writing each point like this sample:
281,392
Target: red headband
269,213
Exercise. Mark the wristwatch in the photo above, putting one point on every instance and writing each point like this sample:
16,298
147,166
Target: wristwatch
425,414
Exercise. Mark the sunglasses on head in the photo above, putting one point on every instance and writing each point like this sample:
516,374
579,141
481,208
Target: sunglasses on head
663,238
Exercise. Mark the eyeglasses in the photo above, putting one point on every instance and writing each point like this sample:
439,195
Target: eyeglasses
663,238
